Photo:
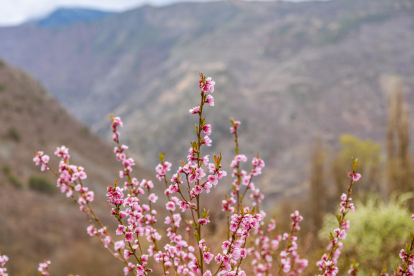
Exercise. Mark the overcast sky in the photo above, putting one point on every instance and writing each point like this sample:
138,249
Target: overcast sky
13,12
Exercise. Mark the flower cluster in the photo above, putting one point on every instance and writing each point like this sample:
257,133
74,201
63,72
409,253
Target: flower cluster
206,85
41,158
119,151
3,269
353,270
234,250
406,268
44,268
241,177
296,266
264,249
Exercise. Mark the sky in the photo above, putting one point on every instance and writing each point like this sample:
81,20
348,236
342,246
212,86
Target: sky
13,12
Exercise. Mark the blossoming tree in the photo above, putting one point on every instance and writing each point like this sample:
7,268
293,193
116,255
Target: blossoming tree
184,249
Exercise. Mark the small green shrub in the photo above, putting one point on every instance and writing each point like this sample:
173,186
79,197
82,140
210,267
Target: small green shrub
6,170
40,184
378,232
13,134
11,178
15,182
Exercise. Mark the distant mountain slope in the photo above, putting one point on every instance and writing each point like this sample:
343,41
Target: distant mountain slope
36,221
66,16
288,71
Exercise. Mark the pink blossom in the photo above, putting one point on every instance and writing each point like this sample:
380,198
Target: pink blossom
62,152
258,162
119,245
202,245
198,189
195,110
240,158
45,158
207,186
170,206
208,257
243,252
91,230
355,176
210,100
221,174
117,122
207,141
213,179
153,198
204,221
207,129
129,237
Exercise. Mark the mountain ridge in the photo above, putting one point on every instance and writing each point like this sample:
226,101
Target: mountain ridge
65,16
288,71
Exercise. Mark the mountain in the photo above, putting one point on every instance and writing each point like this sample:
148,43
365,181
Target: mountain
67,16
288,71
36,221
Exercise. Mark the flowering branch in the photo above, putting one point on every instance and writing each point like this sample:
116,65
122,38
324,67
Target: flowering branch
328,262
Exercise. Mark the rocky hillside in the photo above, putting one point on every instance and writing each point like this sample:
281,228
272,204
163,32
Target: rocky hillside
36,221
288,71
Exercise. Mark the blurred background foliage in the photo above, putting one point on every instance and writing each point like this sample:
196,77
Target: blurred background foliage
381,224
378,231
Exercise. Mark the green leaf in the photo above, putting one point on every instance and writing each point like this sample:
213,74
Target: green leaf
162,156
354,163
338,217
